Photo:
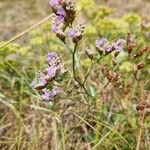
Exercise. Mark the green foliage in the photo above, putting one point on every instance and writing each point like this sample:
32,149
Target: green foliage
100,12
85,5
13,47
112,27
90,30
126,67
132,19
36,41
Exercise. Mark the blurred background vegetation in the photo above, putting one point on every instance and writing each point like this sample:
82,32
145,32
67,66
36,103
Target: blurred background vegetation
17,15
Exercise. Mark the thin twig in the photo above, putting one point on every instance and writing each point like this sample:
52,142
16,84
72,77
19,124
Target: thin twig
74,61
74,70
87,123
26,31
140,132
91,68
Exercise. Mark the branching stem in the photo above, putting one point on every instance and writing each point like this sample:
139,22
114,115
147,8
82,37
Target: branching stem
74,70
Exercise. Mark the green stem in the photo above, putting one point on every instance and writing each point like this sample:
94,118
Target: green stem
70,50
74,70
91,68
74,61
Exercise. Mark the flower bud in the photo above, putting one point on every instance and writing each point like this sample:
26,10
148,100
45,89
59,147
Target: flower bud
140,66
102,45
118,45
141,52
61,35
130,43
89,53
76,33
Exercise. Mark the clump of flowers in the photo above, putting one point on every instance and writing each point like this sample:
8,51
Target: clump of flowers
63,21
76,33
48,95
104,46
43,78
141,52
64,16
111,75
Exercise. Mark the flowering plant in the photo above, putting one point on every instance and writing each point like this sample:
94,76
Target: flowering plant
92,89
64,27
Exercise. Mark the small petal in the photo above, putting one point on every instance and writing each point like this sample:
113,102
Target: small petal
51,71
101,42
51,57
61,12
119,45
54,28
72,32
54,3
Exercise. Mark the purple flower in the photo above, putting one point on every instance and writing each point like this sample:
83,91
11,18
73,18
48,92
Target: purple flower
54,3
54,28
61,12
50,95
65,15
76,33
101,42
39,81
59,19
55,66
45,77
72,32
51,57
107,47
43,82
58,24
103,45
47,95
118,45
51,71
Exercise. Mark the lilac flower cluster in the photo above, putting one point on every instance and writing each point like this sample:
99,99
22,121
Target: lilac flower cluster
50,94
64,16
118,45
103,45
55,67
76,33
